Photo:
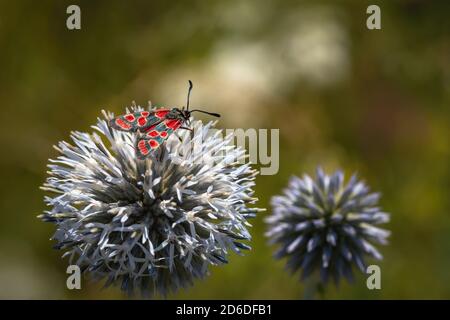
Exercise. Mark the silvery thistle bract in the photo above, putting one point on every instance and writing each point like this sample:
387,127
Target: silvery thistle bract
323,225
152,225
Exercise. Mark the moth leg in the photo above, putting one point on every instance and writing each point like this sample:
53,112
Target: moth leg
190,129
162,150
186,128
179,138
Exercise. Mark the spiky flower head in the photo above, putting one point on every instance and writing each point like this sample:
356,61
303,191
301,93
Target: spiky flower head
325,226
155,224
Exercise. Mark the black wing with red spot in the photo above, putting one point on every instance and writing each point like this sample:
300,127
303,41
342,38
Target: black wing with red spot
155,136
141,120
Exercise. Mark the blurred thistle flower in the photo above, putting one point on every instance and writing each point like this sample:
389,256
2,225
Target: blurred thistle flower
325,226
152,225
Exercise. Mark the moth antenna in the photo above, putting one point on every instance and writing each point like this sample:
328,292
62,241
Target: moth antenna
206,112
150,104
189,94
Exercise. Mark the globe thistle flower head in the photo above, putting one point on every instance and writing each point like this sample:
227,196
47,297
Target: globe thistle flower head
323,225
152,225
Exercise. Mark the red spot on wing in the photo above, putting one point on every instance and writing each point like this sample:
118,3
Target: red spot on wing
142,121
153,133
153,143
143,148
163,134
130,117
173,124
145,114
161,113
123,124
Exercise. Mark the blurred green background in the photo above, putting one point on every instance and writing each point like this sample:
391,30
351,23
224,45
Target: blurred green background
376,102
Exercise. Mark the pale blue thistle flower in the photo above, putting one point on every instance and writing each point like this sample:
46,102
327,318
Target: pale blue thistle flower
153,225
326,226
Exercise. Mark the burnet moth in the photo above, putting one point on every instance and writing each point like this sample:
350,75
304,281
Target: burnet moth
155,125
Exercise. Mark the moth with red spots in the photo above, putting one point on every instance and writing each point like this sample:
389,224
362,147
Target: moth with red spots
155,126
